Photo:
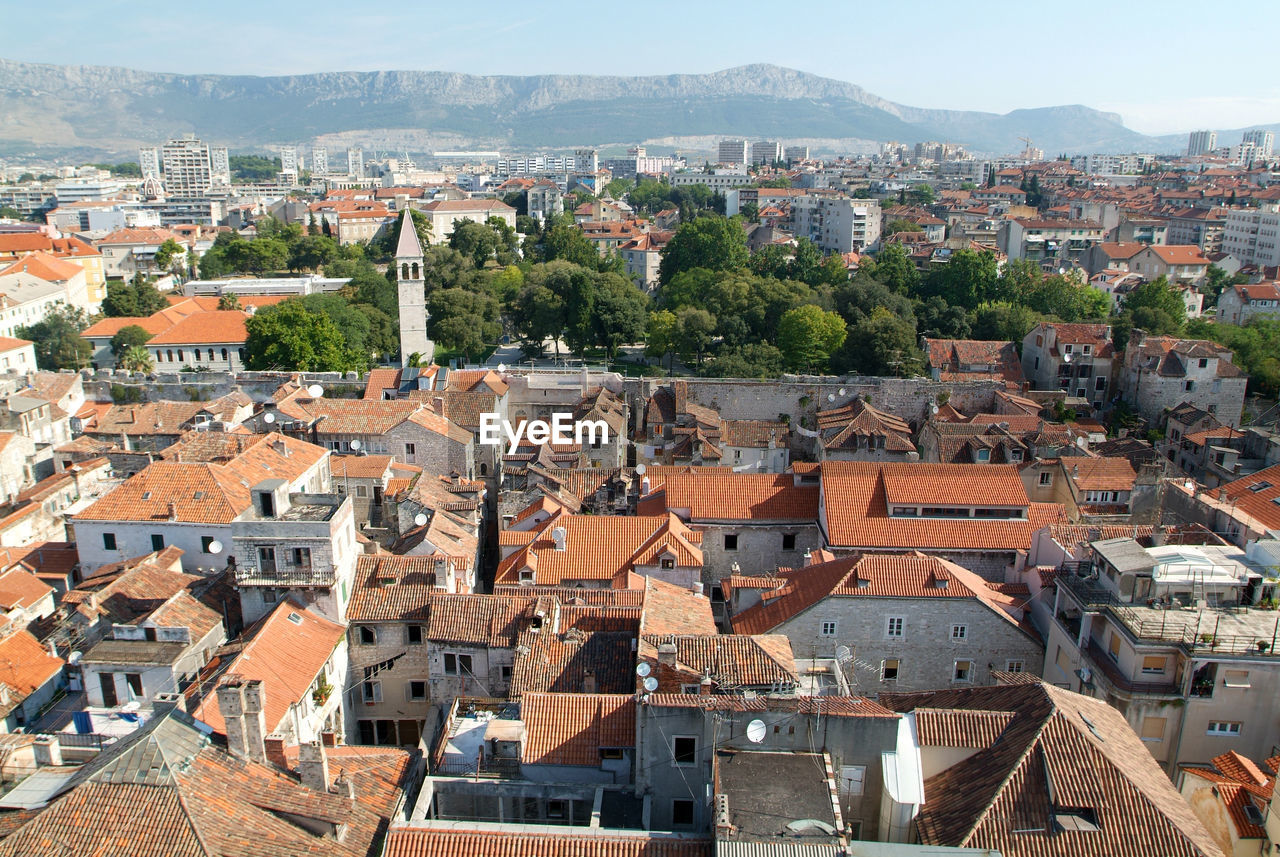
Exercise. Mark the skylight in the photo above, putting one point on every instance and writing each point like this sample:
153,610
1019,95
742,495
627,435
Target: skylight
1259,486
295,618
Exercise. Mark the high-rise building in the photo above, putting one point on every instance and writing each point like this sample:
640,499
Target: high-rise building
766,152
355,162
1201,143
319,161
186,167
732,152
289,163
586,160
796,153
1263,141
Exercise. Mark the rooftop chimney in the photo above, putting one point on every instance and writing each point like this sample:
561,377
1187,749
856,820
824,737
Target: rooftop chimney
704,686
48,751
240,703
163,703
274,744
667,654
173,511
313,766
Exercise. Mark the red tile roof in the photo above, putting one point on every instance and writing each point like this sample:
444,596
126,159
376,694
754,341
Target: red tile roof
410,842
715,494
26,665
46,267
220,327
1101,474
571,728
20,588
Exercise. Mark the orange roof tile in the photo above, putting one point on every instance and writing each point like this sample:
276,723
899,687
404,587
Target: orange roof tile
418,842
26,665
571,728
20,588
48,268
1102,474
221,327
715,494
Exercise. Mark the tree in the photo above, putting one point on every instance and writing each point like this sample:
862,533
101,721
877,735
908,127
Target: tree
618,188
58,343
229,301
809,335
714,243
482,242
311,252
966,280
750,212
167,253
289,336
1217,281
463,320
900,225
383,246
538,314
694,329
1003,322
881,344
128,337
936,319
137,358
1158,295
660,335
566,241
921,194
8,212
134,299
895,269
754,360
619,314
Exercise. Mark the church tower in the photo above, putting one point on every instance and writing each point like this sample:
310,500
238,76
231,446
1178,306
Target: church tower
411,288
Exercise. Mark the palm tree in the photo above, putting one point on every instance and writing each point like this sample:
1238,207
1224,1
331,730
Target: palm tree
137,359
229,301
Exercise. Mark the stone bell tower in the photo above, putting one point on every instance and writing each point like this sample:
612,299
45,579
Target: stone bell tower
411,292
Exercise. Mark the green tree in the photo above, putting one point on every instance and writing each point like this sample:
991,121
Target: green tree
289,336
1002,321
565,241
753,360
694,330
463,320
1158,295
619,314
167,254
1217,281
881,344
383,246
714,243
484,242
8,212
253,168
137,358
229,301
921,194
58,343
893,267
936,319
750,212
660,335
134,299
311,252
968,279
900,225
618,188
127,337
809,335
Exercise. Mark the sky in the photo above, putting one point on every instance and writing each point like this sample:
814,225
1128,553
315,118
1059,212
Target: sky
1147,61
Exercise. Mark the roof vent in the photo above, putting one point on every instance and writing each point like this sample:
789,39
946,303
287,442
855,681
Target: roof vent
295,618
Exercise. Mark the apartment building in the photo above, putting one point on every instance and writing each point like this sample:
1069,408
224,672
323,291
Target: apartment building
1076,358
187,167
1238,304
837,224
1252,235
733,152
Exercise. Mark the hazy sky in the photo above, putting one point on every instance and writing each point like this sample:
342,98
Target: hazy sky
1154,63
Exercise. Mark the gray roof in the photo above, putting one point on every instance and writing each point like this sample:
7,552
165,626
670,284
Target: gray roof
134,652
408,247
1124,554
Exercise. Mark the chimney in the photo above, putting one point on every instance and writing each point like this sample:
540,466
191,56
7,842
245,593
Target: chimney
704,686
589,681
329,738
680,389
274,748
437,404
163,703
173,511
313,766
231,707
255,732
667,654
345,786
48,751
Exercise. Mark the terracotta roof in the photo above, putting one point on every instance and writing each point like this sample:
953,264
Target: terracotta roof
559,663
960,728
146,419
25,666
8,343
482,621
828,706
219,327
392,588
1067,776
48,268
140,235
1257,291
360,466
715,494
21,589
379,380
872,576
473,380
1121,250
1179,254
285,651
571,728
954,355
670,609
1101,474
410,842
1255,495
1239,783
109,327
732,661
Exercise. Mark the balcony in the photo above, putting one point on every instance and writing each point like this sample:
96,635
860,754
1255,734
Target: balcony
285,576
1103,663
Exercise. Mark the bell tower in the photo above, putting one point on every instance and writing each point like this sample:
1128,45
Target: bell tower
411,292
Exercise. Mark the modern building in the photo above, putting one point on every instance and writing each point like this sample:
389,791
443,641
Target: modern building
733,152
1263,141
1201,143
837,224
187,167
1252,235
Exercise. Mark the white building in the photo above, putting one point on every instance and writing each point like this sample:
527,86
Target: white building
320,161
1201,143
1252,235
355,162
837,224
1263,141
25,300
766,152
187,167
732,152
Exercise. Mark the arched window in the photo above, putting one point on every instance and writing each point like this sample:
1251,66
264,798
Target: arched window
224,354
404,271
415,270
180,357
170,353
484,469
159,356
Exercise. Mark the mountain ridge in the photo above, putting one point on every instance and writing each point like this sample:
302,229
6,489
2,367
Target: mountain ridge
114,109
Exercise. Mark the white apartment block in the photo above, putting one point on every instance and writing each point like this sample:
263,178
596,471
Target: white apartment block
1263,141
1201,143
186,167
320,161
355,161
1252,235
732,152
720,181
837,224
766,152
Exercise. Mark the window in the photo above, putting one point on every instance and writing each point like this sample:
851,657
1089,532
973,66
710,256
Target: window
983,455
134,680
417,691
852,778
413,635
893,627
889,669
667,562
731,541
267,560
1014,666
684,750
1223,727
371,692
109,541
1153,729
457,664
1189,386
362,491
690,689
828,629
682,813
368,636
612,753
1204,363
206,544
788,541
1236,678
1114,646
1046,478
410,449
301,557
1153,665
157,542
963,671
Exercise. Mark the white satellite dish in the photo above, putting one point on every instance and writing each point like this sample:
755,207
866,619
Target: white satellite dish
831,397
269,418
315,391
651,684
640,469
642,669
1066,358
215,546
419,519
74,658
502,367
755,731
355,444
843,654
842,391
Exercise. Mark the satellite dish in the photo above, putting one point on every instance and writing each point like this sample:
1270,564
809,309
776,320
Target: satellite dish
269,418
355,444
650,684
831,397
755,731
419,519
642,669
74,658
215,546
842,391
315,391
502,367
843,654
640,469
1066,358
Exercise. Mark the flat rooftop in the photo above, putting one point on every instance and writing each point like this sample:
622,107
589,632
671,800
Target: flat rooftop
777,797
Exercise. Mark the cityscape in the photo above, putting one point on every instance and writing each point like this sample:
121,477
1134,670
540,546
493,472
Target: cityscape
605,478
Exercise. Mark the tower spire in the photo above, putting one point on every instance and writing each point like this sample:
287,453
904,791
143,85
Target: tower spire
411,293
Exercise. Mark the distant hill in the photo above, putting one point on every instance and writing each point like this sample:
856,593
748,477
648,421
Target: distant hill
114,110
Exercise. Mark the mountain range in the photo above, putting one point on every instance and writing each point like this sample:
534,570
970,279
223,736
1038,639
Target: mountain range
110,111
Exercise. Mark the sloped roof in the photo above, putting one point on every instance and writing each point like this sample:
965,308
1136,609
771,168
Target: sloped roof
25,666
418,842
547,662
571,728
220,327
408,246
719,494
840,428
1102,474
1059,752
